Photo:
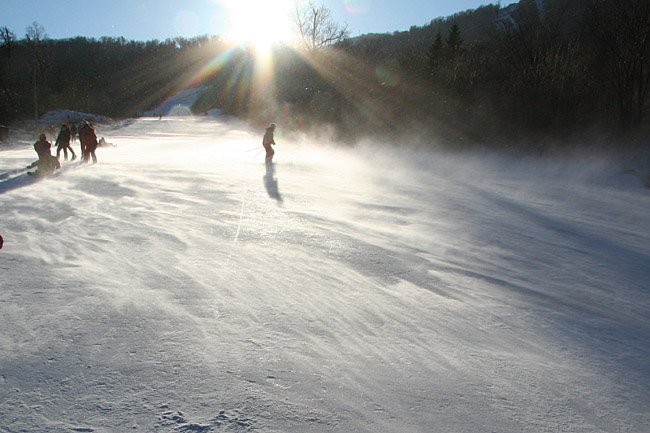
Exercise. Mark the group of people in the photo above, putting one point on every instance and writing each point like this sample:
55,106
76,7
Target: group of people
47,163
87,140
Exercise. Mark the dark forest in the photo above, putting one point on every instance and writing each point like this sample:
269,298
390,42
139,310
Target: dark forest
549,77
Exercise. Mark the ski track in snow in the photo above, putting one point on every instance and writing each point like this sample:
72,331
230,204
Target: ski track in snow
181,286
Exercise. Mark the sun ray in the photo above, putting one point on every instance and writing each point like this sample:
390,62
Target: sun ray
218,62
371,91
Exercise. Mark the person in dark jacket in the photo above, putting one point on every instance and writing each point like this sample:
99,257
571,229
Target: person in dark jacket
267,141
42,146
88,140
63,143
73,133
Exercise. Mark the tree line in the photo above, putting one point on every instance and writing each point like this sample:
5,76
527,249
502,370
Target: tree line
533,73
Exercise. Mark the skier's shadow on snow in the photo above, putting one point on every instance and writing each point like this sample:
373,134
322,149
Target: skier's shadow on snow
13,180
271,183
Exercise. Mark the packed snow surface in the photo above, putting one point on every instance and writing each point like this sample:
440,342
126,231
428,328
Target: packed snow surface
180,285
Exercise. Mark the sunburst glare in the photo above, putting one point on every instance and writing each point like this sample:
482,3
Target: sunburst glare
261,23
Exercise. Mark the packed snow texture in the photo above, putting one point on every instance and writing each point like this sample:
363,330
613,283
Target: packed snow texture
180,285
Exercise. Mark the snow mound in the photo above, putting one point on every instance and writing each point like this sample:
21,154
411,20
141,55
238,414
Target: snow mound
68,116
179,104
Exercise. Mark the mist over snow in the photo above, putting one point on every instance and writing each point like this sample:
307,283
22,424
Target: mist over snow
178,104
180,285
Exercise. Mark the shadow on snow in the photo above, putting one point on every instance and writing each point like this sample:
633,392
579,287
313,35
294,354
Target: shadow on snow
271,182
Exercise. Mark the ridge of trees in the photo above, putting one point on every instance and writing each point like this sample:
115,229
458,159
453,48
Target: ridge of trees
536,72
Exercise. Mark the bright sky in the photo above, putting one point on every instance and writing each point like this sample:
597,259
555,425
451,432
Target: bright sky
144,20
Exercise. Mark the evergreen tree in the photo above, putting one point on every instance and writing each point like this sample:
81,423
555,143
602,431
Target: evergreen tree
434,55
454,40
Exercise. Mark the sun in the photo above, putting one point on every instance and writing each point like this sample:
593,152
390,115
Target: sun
261,23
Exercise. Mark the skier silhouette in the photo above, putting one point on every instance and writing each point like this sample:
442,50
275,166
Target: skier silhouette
63,143
267,141
88,140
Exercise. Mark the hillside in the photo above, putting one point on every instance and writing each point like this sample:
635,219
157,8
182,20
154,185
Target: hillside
180,285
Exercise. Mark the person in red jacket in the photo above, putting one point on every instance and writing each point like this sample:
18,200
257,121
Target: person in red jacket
42,146
88,140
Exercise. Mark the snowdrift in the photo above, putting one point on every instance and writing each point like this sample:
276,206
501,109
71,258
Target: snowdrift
180,285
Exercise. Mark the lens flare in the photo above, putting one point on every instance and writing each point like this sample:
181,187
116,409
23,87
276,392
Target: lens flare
357,6
388,73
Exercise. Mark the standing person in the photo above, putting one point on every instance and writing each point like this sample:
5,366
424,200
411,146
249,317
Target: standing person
81,143
42,146
73,133
63,143
88,140
267,141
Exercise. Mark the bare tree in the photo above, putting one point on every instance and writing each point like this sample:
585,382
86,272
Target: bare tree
620,35
7,37
36,40
7,40
315,26
543,62
526,35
